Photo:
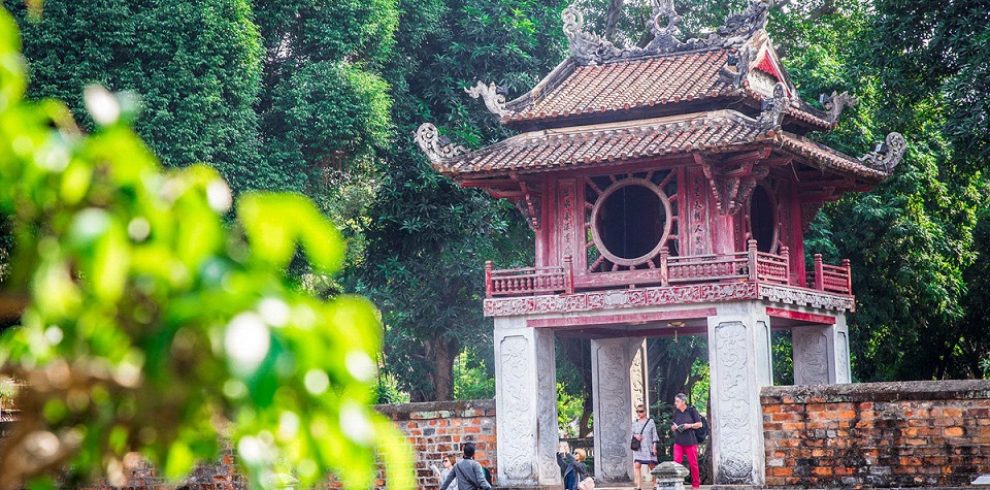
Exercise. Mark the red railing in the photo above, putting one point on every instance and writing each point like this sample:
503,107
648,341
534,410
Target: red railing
831,278
751,265
529,280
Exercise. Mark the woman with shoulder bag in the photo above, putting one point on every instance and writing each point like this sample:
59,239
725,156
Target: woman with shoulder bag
643,443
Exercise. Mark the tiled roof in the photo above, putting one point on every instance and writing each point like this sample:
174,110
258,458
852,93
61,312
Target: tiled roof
574,90
555,149
631,84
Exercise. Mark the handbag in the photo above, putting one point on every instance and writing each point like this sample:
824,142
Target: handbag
587,484
635,443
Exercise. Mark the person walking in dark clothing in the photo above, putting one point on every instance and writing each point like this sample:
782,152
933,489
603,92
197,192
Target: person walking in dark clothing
469,474
686,421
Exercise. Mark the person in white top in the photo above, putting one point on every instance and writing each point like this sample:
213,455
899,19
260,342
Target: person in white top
645,431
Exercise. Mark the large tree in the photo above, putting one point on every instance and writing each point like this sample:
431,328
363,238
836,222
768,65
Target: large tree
195,65
428,238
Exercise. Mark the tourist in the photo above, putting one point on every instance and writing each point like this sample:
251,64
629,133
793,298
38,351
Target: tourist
686,421
448,467
467,472
573,469
644,442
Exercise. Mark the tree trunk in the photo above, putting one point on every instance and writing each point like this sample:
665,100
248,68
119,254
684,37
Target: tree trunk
670,365
443,352
612,17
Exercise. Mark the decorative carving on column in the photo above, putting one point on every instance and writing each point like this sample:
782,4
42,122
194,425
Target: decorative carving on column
810,356
612,398
735,463
842,373
515,366
700,236
547,393
568,231
637,376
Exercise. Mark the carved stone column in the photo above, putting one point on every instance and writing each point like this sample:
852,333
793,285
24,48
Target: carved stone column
740,363
638,379
525,404
821,353
611,363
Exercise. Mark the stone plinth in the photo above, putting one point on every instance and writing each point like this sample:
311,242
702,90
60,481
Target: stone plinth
670,476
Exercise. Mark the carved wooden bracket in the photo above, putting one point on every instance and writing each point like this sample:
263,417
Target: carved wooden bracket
528,203
732,181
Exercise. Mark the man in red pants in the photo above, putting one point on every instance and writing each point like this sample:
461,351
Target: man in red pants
686,421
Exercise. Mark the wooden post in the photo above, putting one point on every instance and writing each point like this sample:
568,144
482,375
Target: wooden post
849,275
664,277
488,278
568,274
819,273
785,254
751,252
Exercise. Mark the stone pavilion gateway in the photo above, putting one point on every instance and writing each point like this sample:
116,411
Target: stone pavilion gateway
669,187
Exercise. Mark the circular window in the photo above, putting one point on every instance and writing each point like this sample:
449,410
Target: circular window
763,219
630,222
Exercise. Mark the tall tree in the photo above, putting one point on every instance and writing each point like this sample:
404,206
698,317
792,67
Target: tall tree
195,65
323,107
429,238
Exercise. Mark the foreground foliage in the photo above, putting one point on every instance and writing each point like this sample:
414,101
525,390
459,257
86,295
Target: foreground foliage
151,327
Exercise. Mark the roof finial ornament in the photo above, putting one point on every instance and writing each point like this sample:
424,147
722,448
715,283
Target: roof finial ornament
664,36
772,111
586,47
740,26
835,104
887,155
437,148
494,101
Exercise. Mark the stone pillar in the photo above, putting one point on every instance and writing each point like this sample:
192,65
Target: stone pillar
821,353
740,363
526,404
611,363
638,379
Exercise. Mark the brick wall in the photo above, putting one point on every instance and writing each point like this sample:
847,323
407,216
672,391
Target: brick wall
434,430
927,433
437,429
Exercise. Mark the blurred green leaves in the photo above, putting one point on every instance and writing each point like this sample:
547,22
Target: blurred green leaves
154,328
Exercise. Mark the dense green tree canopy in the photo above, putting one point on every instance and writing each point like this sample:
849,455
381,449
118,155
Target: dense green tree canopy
196,67
153,329
323,95
428,239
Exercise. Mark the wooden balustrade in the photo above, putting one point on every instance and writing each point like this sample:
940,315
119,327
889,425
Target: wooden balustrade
831,278
529,280
751,265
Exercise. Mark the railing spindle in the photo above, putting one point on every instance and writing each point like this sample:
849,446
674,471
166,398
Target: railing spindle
664,267
751,255
819,273
488,279
846,264
568,274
